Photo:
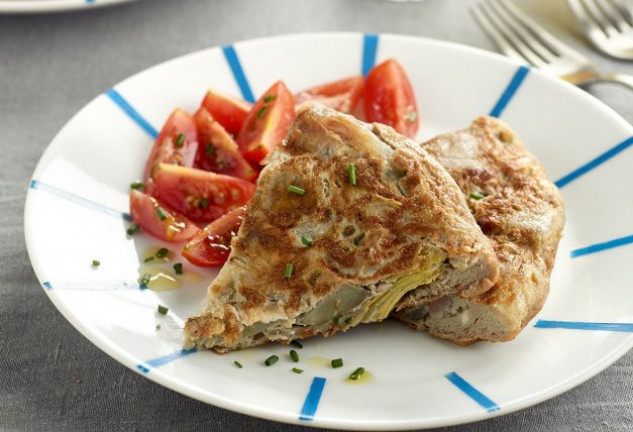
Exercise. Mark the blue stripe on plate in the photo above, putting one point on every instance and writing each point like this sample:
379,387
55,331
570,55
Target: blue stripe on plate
599,247
510,91
594,163
116,97
580,325
238,73
159,361
311,402
472,392
38,185
93,286
370,48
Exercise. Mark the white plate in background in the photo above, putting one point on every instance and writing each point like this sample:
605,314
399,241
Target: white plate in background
41,6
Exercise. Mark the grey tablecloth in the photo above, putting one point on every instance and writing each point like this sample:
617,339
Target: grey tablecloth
51,377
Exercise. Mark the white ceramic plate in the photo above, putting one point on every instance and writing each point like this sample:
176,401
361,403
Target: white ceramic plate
40,6
80,189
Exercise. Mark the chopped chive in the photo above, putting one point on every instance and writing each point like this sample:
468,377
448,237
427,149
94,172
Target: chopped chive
351,172
203,203
161,213
357,373
96,263
296,344
359,238
476,195
270,98
261,112
158,326
296,189
145,279
297,370
132,229
136,185
403,173
412,116
162,253
401,190
148,259
294,356
288,271
178,268
271,360
306,241
337,363
209,150
336,319
163,309
238,364
180,140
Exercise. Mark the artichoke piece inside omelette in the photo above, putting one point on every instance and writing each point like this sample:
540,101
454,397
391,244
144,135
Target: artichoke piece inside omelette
347,218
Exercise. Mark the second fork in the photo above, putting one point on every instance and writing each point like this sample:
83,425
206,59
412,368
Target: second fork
608,24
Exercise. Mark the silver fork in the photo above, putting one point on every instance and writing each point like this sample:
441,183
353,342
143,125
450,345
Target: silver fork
520,37
608,24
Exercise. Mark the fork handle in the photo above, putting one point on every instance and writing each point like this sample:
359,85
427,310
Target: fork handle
622,79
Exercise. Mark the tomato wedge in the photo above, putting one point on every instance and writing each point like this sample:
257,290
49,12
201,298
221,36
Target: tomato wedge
340,95
217,151
200,195
228,111
267,123
389,98
159,220
212,246
176,144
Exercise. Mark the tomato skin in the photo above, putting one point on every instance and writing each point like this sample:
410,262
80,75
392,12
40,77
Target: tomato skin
166,148
200,195
175,228
212,246
341,95
267,123
217,151
226,110
389,98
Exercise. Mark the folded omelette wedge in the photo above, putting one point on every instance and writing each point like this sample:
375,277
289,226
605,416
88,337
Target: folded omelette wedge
346,219
520,210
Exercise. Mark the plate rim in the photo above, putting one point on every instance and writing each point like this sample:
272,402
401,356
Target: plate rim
44,6
127,359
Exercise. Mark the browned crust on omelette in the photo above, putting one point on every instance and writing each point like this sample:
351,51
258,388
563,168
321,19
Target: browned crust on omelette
522,212
403,208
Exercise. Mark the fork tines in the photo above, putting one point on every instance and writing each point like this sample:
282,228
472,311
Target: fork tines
608,24
517,34
607,17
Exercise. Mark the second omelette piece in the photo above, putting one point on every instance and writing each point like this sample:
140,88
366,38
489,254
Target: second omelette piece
347,218
520,210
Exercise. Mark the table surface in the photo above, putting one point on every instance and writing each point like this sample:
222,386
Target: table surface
51,377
